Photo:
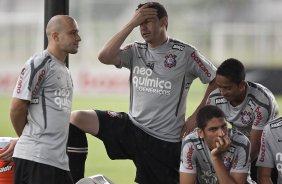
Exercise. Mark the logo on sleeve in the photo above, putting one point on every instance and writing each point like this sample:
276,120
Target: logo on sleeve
38,82
221,100
178,47
259,116
189,158
20,81
262,148
34,101
276,125
200,63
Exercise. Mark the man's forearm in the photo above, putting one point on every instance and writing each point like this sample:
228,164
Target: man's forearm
18,120
18,114
222,173
109,53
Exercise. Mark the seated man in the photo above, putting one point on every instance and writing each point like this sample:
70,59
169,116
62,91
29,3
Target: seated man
212,153
270,155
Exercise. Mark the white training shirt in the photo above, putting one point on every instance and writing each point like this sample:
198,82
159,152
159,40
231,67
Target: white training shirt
258,107
47,84
196,156
160,79
271,147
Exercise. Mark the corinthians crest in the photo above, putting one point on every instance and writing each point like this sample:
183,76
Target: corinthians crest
170,61
246,118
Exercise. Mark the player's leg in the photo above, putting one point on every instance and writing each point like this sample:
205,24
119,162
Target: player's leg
77,147
115,130
86,120
157,161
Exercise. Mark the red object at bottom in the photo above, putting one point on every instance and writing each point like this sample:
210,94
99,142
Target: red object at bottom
6,171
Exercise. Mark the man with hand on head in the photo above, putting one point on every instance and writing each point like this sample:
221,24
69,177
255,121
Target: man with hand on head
41,108
212,153
161,72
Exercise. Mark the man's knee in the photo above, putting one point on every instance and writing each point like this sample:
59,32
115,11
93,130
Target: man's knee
75,117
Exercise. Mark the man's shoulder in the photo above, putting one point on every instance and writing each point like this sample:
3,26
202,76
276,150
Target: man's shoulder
179,45
238,138
193,142
258,90
215,98
274,125
39,59
272,131
192,137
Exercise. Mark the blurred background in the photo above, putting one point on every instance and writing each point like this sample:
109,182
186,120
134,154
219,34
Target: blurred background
250,31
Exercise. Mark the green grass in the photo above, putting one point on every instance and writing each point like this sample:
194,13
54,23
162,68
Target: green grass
120,171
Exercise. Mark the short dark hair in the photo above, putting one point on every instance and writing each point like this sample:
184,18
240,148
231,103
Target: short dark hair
232,69
206,113
159,7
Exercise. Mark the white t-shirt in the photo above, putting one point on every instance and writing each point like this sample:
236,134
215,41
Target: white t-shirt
47,84
195,156
160,79
258,107
271,147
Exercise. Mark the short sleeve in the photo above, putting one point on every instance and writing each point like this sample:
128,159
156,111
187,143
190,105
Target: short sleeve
201,67
22,89
188,163
126,55
265,158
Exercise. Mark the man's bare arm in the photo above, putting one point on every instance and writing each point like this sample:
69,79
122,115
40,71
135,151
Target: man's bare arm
18,114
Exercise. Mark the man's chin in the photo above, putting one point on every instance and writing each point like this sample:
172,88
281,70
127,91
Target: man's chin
147,39
73,51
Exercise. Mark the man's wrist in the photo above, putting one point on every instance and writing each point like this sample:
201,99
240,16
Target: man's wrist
216,157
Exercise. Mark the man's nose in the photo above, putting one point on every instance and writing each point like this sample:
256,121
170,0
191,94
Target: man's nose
222,91
221,132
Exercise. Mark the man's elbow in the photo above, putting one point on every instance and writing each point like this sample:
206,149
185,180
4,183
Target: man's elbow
102,57
108,59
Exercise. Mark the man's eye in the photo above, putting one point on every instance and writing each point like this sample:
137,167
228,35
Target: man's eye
213,129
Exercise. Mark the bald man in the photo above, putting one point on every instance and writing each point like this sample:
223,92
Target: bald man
41,107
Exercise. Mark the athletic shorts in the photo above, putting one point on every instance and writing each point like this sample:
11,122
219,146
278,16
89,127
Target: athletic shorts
156,161
29,172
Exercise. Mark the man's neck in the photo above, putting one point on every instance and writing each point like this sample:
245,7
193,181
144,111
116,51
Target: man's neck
240,97
58,55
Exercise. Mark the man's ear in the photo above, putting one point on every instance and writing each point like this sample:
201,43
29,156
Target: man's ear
164,21
54,36
242,85
200,133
